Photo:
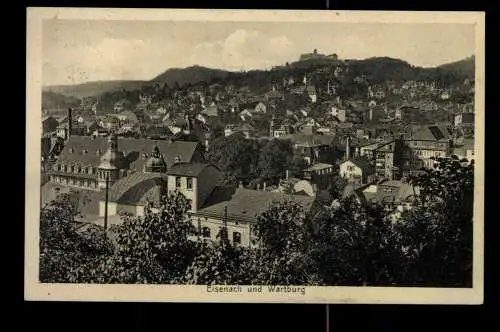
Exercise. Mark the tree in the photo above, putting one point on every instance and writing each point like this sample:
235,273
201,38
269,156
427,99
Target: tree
64,248
274,159
282,258
155,248
436,236
235,156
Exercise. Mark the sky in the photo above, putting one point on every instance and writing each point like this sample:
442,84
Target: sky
78,51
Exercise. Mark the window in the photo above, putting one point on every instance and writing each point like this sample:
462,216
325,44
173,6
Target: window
189,183
236,237
205,232
178,182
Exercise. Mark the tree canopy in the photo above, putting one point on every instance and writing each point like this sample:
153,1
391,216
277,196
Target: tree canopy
344,244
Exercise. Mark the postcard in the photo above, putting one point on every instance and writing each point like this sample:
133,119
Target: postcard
254,156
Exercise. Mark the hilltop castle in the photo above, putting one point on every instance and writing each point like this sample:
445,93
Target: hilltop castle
316,55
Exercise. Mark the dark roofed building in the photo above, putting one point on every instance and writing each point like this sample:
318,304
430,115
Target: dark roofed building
82,161
239,208
88,150
187,169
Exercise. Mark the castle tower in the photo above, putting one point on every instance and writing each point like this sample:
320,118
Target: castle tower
112,161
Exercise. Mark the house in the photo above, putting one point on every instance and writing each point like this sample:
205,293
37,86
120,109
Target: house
229,130
394,195
319,174
422,145
357,170
311,92
246,129
127,117
464,121
195,181
211,111
386,156
338,113
86,160
245,115
311,147
109,122
308,125
176,124
279,130
157,132
274,95
122,105
237,209
132,193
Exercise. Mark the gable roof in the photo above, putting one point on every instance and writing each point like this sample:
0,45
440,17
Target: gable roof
133,149
187,169
362,163
211,111
431,133
246,204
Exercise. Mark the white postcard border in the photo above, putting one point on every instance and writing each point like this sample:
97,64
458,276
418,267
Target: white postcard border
36,291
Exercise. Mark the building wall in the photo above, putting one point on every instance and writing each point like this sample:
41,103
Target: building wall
202,186
112,208
215,225
190,194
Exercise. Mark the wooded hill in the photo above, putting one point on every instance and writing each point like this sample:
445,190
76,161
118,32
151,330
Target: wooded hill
375,70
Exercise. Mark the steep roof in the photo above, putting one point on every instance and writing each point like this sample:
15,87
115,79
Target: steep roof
431,133
246,204
132,148
318,166
187,169
211,111
137,188
392,191
362,163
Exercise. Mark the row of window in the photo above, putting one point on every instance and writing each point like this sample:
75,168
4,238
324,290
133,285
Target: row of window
75,182
206,233
75,169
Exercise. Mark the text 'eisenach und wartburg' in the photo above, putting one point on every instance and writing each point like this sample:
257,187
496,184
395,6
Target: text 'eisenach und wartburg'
257,289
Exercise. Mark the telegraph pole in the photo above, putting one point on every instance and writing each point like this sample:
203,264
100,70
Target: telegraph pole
225,234
106,204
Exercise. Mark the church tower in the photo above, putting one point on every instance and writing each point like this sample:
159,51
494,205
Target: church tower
111,163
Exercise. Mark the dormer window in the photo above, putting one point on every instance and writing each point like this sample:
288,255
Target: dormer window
99,152
71,150
85,151
144,156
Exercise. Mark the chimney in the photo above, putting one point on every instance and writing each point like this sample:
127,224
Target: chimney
371,113
240,185
264,187
70,123
258,186
287,175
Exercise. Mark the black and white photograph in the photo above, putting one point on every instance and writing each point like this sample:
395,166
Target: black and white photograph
254,156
